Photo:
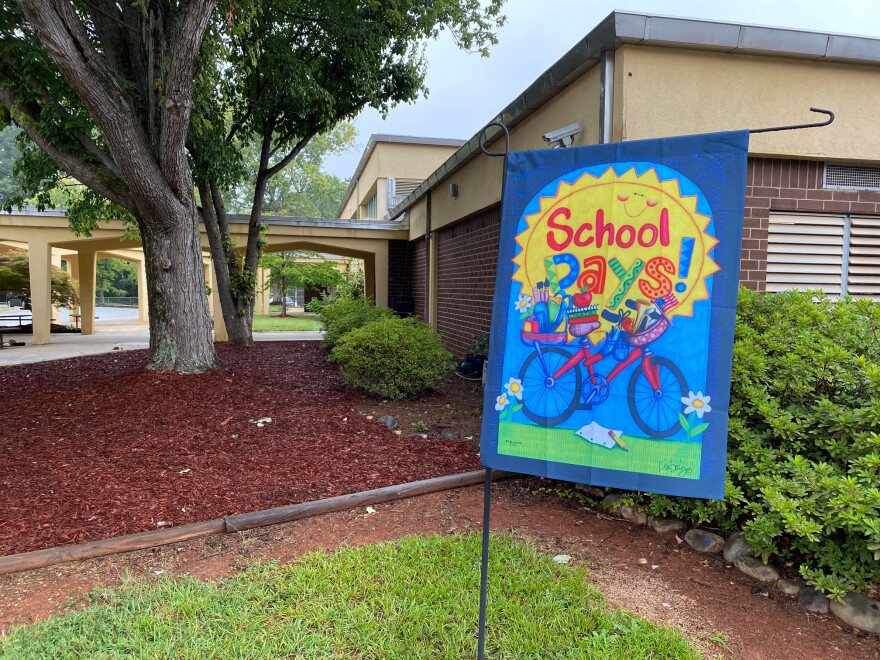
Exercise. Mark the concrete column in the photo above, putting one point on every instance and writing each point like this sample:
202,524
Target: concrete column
87,266
381,273
434,280
73,267
143,308
56,263
370,277
208,272
73,271
214,307
261,303
40,264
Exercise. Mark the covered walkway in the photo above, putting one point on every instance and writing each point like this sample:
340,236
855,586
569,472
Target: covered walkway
46,238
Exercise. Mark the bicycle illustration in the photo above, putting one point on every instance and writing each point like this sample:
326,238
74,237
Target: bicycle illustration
554,385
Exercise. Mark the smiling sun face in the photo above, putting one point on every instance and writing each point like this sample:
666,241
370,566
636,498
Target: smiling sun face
636,202
626,238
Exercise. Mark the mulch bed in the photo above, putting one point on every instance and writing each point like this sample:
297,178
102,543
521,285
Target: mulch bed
96,447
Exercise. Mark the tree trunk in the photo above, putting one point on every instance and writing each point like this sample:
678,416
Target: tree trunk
180,325
236,303
240,329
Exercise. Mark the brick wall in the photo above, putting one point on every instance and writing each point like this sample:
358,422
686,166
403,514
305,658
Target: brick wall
469,249
793,186
468,255
399,270
417,250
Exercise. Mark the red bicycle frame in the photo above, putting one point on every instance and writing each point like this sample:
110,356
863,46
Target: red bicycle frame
590,359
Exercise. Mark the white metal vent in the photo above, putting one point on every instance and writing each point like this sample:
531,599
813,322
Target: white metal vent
852,177
805,252
838,254
403,187
863,278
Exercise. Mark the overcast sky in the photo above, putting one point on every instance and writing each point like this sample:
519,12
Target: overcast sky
466,90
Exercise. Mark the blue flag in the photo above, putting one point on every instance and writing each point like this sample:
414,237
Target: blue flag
614,312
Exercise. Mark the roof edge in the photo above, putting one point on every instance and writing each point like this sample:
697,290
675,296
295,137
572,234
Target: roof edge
375,139
623,27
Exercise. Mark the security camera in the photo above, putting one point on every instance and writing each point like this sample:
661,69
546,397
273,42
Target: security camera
563,137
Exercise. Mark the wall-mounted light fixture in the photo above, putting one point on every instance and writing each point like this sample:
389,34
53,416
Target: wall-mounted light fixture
562,137
453,190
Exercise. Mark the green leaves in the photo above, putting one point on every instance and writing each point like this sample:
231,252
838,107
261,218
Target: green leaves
804,452
687,425
393,358
15,279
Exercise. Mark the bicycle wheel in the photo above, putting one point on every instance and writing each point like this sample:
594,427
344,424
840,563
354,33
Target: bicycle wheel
546,400
656,410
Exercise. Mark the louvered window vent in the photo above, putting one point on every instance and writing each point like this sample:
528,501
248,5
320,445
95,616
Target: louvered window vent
851,177
838,254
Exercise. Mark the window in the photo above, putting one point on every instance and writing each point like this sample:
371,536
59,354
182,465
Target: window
370,206
838,254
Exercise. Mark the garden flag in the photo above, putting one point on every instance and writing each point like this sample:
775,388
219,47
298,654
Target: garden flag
614,311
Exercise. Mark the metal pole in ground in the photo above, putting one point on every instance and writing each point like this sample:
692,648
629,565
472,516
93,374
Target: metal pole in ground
484,566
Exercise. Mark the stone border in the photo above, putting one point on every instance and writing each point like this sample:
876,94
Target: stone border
857,610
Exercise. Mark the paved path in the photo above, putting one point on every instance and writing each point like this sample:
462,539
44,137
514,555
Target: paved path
110,335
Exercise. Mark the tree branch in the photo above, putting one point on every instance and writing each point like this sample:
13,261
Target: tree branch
98,178
114,34
63,37
85,141
178,95
299,146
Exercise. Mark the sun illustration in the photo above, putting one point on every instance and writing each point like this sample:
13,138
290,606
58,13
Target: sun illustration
629,244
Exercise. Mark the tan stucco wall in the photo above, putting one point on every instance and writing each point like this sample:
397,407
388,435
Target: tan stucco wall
479,182
393,160
677,92
416,216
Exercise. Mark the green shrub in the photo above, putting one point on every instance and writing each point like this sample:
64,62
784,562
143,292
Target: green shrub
393,358
804,450
345,314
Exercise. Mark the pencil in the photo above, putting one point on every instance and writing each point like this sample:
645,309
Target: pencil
617,439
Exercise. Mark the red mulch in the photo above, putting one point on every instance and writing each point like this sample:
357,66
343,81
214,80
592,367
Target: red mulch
95,447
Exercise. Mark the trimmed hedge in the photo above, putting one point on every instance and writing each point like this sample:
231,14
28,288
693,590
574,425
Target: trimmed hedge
392,358
804,451
346,314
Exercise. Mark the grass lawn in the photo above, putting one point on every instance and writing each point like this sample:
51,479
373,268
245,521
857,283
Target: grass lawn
291,322
414,598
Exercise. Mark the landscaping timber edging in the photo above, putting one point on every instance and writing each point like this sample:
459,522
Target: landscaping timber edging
238,523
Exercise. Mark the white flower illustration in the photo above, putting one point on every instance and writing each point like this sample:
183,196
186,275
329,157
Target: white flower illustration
514,388
501,402
523,303
696,403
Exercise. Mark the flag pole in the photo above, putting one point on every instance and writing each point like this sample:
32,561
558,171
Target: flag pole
487,489
484,565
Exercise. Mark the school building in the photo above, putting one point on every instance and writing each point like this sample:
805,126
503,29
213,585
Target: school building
812,217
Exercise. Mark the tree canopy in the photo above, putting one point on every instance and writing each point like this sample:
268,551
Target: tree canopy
140,102
299,270
116,277
15,279
9,153
295,71
302,188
